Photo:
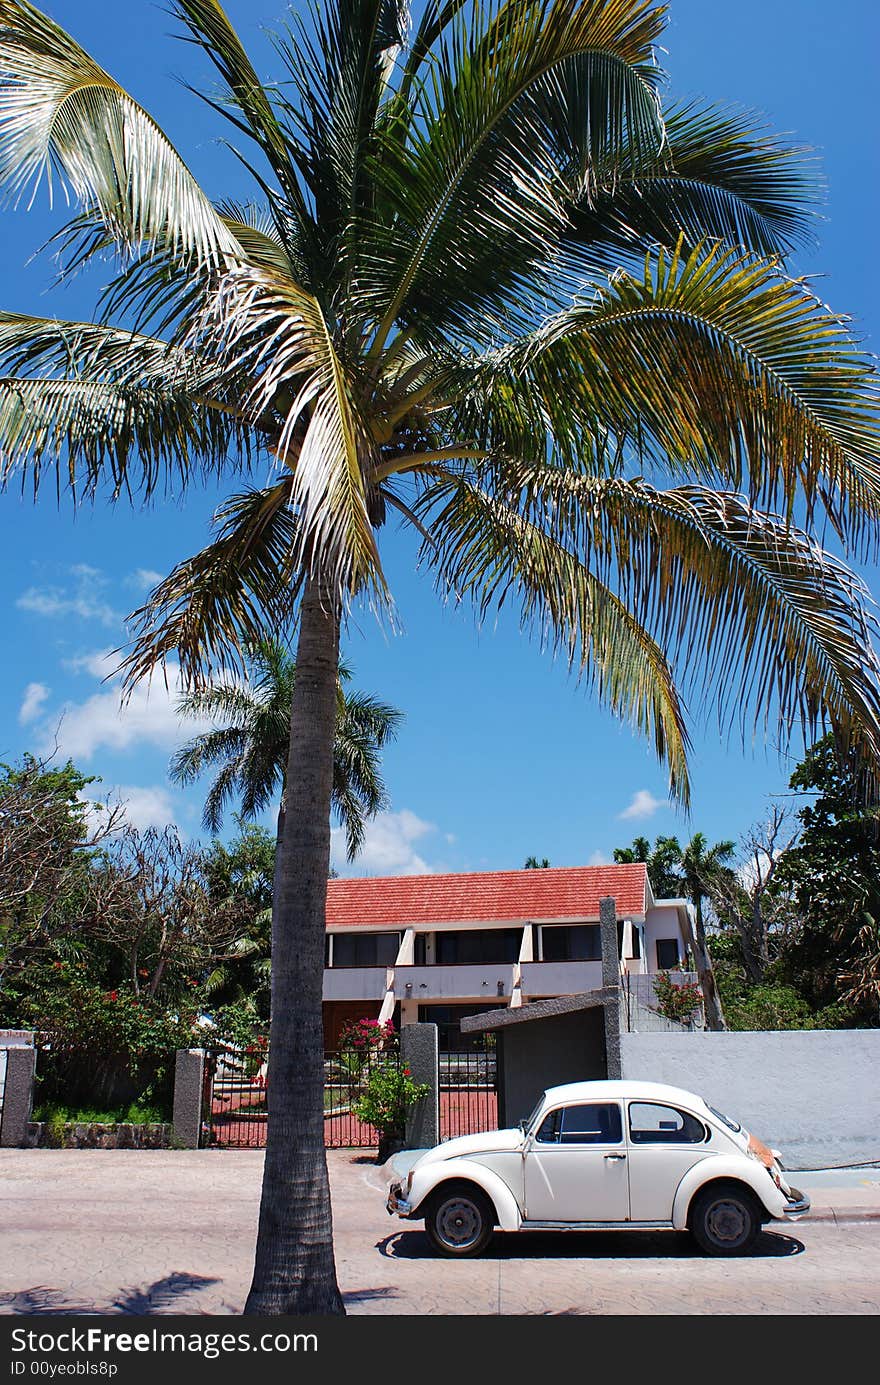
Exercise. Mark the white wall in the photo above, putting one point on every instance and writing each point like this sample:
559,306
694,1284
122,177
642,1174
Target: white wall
812,1094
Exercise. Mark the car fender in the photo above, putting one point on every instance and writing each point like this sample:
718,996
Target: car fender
734,1168
466,1170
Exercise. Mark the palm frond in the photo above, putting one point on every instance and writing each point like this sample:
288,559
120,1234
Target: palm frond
715,364
213,608
212,31
190,760
277,332
59,109
721,175
91,433
753,608
487,551
527,102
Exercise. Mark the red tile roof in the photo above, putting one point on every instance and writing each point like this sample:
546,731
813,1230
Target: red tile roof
484,897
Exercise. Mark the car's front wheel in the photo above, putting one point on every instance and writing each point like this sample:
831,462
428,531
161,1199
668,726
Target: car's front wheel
725,1219
459,1221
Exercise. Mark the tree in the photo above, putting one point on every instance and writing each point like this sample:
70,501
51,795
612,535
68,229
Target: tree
701,866
250,748
748,900
663,861
47,841
833,875
496,288
532,863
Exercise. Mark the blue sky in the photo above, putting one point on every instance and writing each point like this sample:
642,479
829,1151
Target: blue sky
500,755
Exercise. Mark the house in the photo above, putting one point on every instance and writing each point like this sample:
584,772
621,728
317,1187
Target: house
438,948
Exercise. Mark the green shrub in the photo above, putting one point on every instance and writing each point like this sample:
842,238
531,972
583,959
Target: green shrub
389,1093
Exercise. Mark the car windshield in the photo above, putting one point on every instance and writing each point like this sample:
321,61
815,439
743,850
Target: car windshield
731,1124
529,1120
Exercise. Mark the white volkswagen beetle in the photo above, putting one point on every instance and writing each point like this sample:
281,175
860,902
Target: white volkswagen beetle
599,1156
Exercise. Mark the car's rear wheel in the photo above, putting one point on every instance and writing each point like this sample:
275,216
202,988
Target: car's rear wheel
459,1220
725,1219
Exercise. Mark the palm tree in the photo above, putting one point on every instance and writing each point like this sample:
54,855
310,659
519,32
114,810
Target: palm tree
701,866
493,286
249,750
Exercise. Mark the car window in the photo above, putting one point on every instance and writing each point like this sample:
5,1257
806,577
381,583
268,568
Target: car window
597,1124
653,1124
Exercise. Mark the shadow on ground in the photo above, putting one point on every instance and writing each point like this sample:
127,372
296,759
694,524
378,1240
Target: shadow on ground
585,1245
161,1297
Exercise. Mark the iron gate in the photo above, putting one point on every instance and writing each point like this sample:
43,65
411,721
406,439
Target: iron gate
468,1085
235,1099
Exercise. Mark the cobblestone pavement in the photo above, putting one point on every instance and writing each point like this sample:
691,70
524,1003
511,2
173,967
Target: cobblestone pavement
166,1231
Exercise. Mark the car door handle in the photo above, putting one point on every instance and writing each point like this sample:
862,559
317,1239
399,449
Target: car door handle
616,1157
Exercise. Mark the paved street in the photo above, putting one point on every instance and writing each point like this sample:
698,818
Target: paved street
166,1231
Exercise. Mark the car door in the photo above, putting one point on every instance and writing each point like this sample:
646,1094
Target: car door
576,1166
663,1143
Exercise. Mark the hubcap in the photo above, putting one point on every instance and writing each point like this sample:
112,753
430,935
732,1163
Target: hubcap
727,1222
459,1223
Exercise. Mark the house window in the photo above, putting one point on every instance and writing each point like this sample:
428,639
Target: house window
667,954
365,949
447,1019
563,943
476,947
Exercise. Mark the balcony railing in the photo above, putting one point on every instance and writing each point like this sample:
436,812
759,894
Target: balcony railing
560,978
490,980
355,983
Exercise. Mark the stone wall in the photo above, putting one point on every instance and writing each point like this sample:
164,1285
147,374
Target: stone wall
812,1094
95,1135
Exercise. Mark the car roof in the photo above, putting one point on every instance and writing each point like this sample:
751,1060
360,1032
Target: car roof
623,1090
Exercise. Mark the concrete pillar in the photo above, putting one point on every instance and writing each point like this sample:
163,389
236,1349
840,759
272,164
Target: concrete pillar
419,1051
612,1012
189,1073
608,932
18,1094
611,981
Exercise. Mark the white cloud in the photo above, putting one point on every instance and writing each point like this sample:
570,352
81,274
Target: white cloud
104,721
643,805
143,579
388,846
599,858
35,695
84,596
150,806
146,807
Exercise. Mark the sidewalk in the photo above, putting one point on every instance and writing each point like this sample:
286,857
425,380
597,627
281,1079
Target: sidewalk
842,1195
172,1231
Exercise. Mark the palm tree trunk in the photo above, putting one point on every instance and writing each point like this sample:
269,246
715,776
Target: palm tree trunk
294,1271
706,973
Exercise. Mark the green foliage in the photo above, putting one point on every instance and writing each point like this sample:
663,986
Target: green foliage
663,861
833,875
532,863
96,1044
135,1113
389,1093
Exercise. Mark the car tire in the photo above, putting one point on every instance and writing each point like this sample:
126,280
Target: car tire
459,1220
725,1219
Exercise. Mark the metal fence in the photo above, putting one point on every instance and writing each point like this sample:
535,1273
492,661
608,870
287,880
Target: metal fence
468,1087
236,1096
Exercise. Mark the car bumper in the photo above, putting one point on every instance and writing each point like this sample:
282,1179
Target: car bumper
397,1204
797,1206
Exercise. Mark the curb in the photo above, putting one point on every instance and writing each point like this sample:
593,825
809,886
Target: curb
841,1217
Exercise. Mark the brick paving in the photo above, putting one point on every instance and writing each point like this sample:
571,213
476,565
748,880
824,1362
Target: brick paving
173,1232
